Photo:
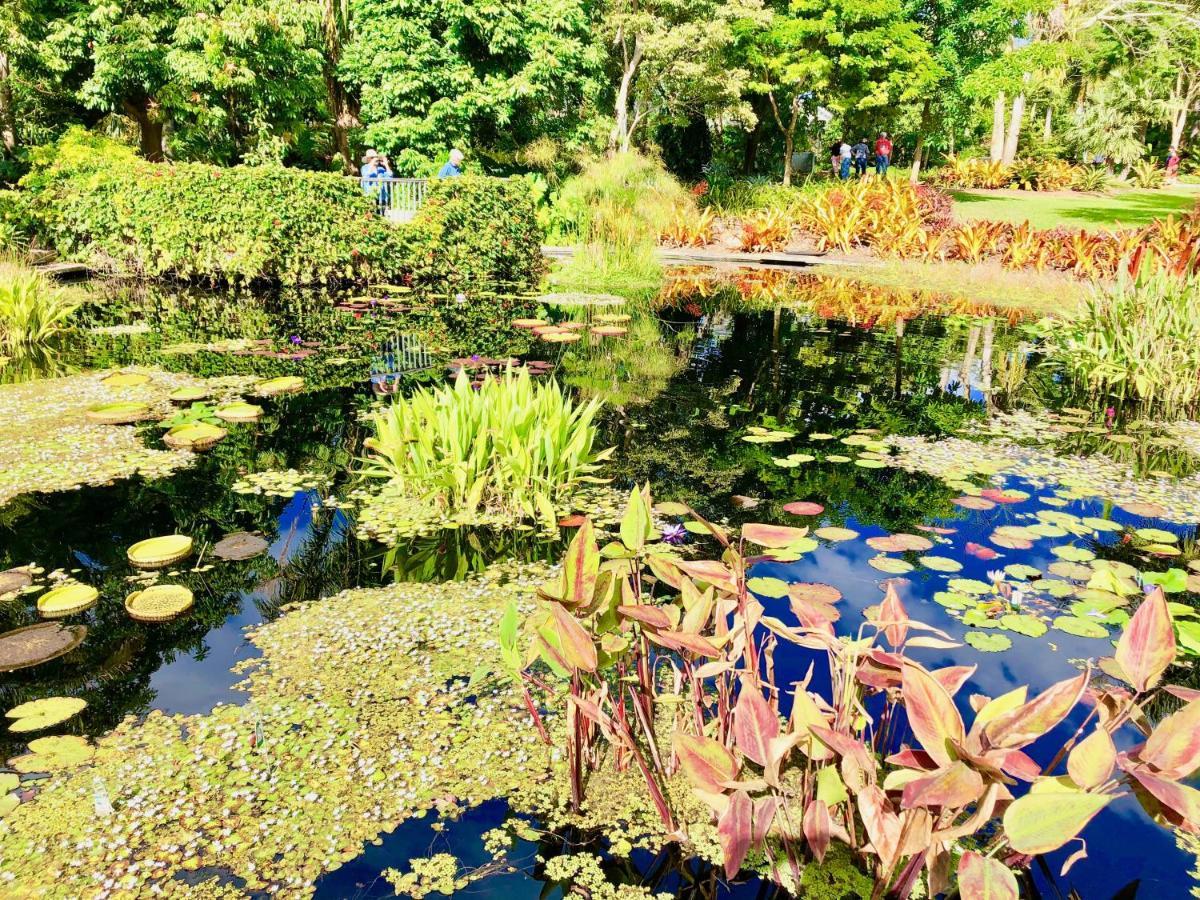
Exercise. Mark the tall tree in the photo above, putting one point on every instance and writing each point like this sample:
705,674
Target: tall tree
849,56
675,61
493,78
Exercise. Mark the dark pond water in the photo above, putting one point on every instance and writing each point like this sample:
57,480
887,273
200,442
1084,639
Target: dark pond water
694,373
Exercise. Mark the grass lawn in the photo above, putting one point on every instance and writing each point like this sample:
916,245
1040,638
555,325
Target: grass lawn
1040,293
1050,209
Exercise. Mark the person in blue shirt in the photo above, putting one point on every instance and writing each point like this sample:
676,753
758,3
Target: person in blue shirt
453,168
373,177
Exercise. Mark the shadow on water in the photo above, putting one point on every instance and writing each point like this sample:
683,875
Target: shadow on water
710,361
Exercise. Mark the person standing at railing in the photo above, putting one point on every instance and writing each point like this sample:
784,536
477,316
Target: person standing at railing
373,176
453,168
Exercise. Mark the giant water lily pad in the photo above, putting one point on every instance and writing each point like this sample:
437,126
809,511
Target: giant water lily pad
122,413
241,545
53,754
239,412
12,580
287,384
158,603
38,714
160,552
188,394
38,643
125,379
67,600
194,436
836,533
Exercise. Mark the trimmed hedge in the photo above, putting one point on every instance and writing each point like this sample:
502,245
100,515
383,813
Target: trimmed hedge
96,201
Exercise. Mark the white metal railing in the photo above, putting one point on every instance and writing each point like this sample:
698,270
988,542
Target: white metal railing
398,198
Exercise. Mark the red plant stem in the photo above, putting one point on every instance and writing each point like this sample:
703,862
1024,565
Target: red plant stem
1066,748
656,794
650,742
537,719
574,748
697,697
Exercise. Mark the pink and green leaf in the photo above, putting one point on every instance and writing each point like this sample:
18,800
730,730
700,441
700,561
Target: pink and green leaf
1147,645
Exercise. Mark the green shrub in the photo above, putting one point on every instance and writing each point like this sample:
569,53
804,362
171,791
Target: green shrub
14,222
95,200
1147,174
509,447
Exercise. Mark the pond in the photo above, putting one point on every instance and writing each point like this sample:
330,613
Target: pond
736,392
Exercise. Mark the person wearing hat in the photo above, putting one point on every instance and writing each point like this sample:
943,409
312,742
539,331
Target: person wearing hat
372,176
453,168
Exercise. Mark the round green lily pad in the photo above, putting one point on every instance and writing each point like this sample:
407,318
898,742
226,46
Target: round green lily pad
239,412
160,552
121,413
952,600
836,533
194,436
66,600
869,463
1156,535
158,603
1022,572
1022,623
287,384
989,643
187,394
940,563
1071,553
837,458
38,714
970,586
126,379
1097,524
1080,627
890,565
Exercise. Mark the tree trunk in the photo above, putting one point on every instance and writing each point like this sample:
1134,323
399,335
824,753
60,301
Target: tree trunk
998,127
1177,129
8,116
623,131
1013,138
915,174
150,128
343,107
964,374
789,134
1046,132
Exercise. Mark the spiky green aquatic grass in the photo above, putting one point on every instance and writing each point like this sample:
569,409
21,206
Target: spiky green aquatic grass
1137,340
32,308
510,446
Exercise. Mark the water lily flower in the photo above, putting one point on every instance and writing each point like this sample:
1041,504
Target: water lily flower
674,534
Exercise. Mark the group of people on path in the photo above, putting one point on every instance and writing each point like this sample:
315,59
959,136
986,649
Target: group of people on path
847,156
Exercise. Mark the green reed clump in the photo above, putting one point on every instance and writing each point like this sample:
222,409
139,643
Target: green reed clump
32,308
615,210
510,446
1136,340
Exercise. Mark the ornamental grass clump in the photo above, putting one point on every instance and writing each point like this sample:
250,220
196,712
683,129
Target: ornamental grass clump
1136,340
32,308
511,447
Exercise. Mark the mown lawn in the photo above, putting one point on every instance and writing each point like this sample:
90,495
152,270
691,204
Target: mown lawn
1127,208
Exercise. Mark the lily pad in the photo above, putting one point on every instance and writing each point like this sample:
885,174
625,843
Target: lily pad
953,600
38,643
125,379
38,714
1097,524
52,754
1022,623
1022,572
158,603
1071,553
194,436
187,394
160,552
1156,535
287,384
940,563
1048,529
977,503
837,458
815,591
768,587
803,508
969,586
977,618
67,600
890,565
239,412
241,545
870,463
1080,627
989,643
13,580
122,413
836,533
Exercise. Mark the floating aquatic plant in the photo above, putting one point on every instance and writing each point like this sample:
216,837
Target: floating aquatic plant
196,436
38,714
34,644
120,413
67,600
159,603
160,552
287,384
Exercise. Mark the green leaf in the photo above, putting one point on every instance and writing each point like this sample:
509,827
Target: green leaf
1041,822
1080,627
989,643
